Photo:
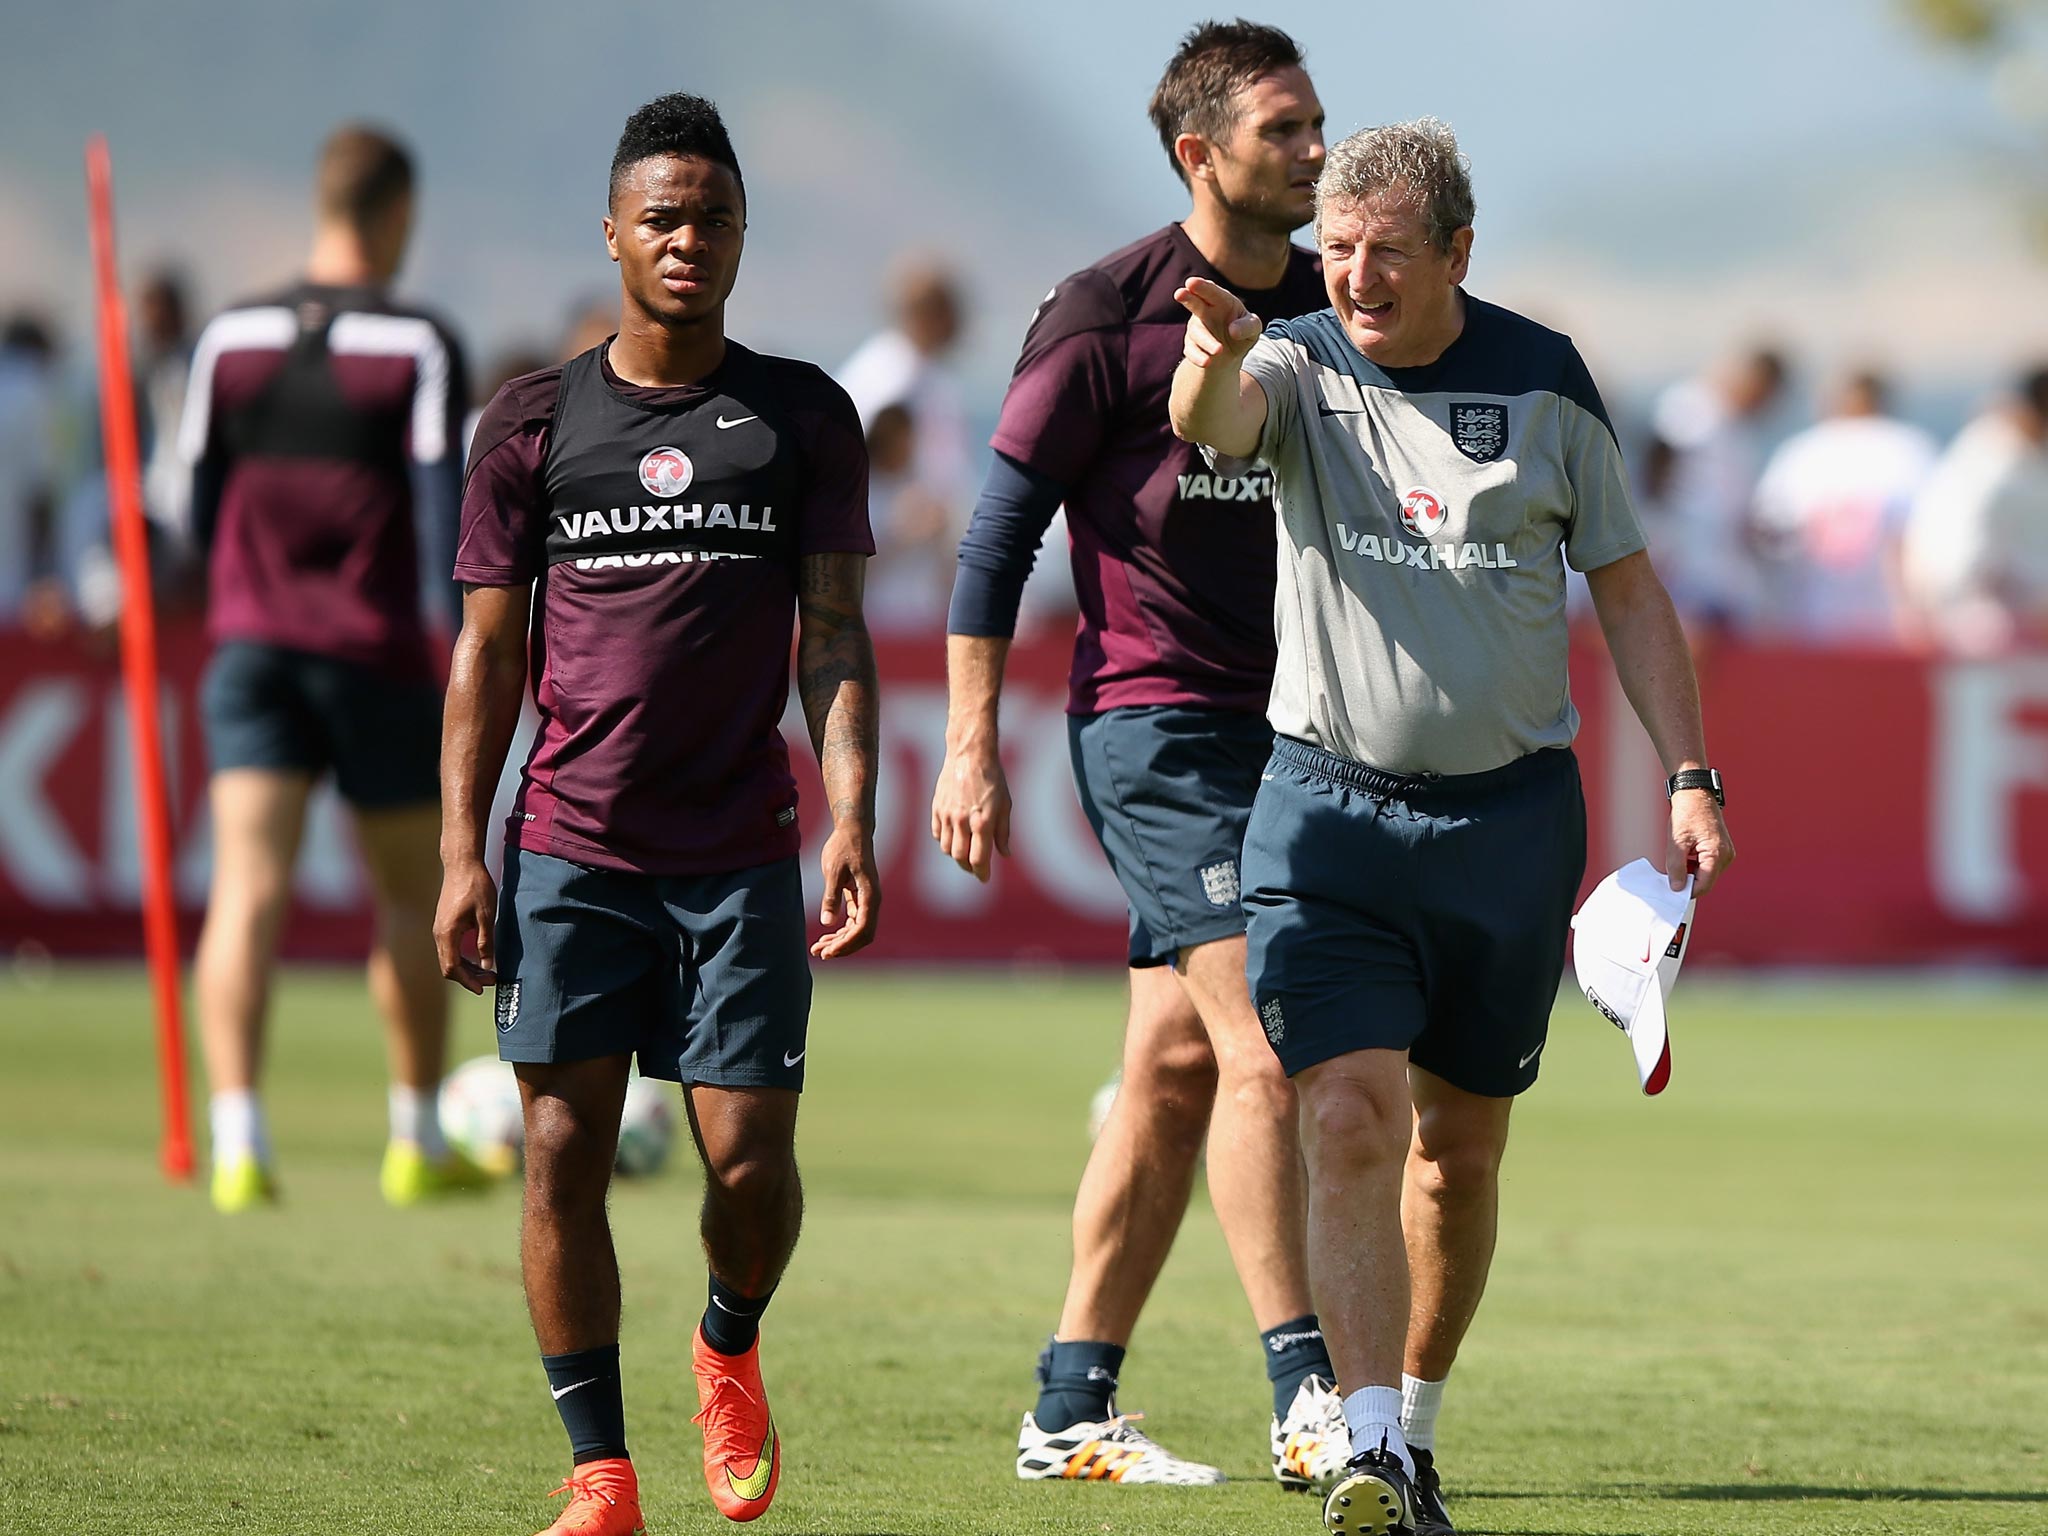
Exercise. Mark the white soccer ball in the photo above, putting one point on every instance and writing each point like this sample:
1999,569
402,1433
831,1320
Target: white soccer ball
647,1126
480,1114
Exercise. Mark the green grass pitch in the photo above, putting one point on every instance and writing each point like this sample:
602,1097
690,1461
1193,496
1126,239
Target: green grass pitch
1805,1292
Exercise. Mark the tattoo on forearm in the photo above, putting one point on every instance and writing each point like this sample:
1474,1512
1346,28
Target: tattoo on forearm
837,685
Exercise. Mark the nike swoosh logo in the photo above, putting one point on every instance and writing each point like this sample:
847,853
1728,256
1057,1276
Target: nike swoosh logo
562,1392
1531,1056
755,1483
790,1061
724,1308
723,424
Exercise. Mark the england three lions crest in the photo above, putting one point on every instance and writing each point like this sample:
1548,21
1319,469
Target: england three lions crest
1480,430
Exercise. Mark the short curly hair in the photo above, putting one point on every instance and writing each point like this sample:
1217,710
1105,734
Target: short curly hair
1418,159
675,124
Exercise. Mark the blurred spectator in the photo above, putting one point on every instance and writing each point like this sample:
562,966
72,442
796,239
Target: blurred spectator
1831,515
923,511
163,362
592,320
1700,475
27,473
1976,554
906,365
908,580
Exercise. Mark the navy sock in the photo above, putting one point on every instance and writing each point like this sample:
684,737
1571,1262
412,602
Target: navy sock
1294,1352
1076,1382
590,1400
731,1321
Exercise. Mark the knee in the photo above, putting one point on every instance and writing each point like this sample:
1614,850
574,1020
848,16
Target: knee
1176,1081
1450,1170
1353,1120
753,1171
1252,1077
249,902
568,1162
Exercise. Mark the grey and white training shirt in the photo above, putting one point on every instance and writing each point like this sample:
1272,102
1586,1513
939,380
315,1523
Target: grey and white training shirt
1422,515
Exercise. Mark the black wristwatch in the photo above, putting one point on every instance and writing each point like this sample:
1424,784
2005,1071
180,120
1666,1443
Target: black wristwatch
1708,779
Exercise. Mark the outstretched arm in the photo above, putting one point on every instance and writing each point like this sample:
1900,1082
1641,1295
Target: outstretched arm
486,677
1213,400
835,678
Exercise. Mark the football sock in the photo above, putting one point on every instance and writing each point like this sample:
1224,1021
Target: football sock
1076,1382
590,1400
416,1117
731,1321
1294,1352
1420,1401
1373,1415
238,1128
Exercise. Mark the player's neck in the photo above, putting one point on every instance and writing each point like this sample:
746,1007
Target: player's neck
1250,256
339,259
657,356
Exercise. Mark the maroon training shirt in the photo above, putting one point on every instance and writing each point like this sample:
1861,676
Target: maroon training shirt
320,423
1173,565
664,527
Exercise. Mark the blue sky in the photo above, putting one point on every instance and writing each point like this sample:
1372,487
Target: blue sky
1659,179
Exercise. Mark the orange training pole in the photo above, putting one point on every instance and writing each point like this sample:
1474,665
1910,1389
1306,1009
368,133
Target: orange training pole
138,661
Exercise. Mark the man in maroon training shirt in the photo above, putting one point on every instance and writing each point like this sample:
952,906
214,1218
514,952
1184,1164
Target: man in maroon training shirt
1174,568
323,427
640,528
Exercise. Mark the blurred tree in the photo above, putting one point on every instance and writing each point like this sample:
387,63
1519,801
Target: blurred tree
2009,41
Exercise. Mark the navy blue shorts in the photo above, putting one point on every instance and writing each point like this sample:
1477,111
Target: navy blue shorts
1425,915
706,978
268,707
1168,789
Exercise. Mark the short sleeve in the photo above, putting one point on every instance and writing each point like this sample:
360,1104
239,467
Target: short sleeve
502,541
1271,365
1069,382
834,516
1603,526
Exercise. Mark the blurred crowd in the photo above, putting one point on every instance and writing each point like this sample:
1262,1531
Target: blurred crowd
1854,528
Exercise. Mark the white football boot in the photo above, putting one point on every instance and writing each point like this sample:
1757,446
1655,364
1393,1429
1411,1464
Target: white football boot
1312,1444
1108,1450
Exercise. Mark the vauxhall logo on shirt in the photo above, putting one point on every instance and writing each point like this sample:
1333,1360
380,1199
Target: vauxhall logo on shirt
1424,514
667,473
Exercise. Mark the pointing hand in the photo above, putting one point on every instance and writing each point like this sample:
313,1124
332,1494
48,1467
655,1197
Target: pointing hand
1220,328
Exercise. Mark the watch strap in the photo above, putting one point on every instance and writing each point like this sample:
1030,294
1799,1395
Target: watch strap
1708,779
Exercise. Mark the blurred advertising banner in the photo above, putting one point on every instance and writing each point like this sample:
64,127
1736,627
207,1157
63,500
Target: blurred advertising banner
1888,809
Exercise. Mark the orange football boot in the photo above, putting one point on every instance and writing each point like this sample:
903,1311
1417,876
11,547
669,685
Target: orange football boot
604,1500
742,1452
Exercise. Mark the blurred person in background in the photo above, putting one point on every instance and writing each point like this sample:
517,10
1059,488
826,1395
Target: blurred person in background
590,324
914,534
1166,726
322,424
1830,518
162,363
921,507
1698,485
906,364
30,595
1976,550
